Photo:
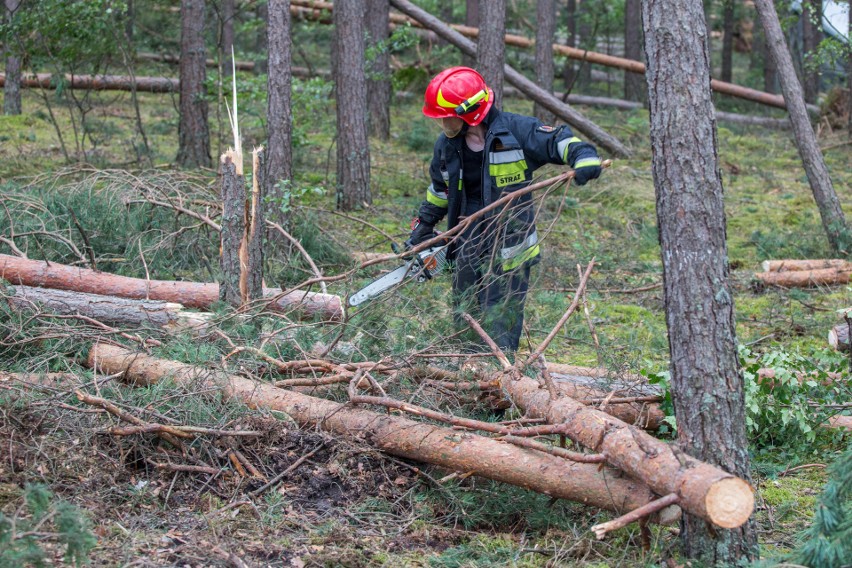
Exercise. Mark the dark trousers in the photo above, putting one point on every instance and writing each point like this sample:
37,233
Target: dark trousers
480,286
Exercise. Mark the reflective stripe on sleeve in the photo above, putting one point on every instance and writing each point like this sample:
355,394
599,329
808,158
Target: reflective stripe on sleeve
512,257
437,198
586,162
563,145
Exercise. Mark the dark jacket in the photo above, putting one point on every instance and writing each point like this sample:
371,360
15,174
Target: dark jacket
515,146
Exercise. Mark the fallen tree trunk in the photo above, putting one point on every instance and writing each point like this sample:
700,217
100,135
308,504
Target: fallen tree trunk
99,83
533,91
805,278
705,490
199,295
452,449
108,309
812,264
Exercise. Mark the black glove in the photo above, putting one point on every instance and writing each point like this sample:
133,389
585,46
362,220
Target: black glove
420,232
587,169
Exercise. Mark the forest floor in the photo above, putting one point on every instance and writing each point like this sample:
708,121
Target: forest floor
349,505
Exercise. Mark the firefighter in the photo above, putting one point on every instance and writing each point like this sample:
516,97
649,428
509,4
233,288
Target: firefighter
482,154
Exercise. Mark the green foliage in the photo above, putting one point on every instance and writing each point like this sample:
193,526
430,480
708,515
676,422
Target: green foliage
786,410
22,536
827,543
311,99
72,35
400,39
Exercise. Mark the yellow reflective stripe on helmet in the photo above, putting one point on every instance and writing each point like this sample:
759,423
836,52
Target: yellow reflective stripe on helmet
563,145
586,162
444,103
516,261
438,198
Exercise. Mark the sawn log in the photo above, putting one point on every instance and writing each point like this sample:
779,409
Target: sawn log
704,490
453,449
199,295
806,278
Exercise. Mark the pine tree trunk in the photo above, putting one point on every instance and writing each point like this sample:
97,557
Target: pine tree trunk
233,227
811,38
12,88
261,46
833,219
490,48
353,150
279,117
193,130
569,74
585,15
227,16
544,36
728,41
707,388
378,81
257,227
471,19
634,84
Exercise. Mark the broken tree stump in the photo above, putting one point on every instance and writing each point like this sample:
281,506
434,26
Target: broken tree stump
233,193
198,295
459,451
255,228
108,309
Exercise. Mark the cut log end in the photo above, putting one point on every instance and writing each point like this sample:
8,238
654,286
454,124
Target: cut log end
729,502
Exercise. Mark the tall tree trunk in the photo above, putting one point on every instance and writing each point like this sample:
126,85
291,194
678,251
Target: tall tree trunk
634,84
761,58
378,80
353,149
491,49
849,76
130,21
471,18
811,37
833,220
707,388
193,130
261,47
728,41
568,71
545,32
585,15
12,88
279,117
227,14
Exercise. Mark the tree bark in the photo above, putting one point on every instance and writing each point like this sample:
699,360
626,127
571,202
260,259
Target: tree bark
353,146
12,87
107,309
811,38
233,194
707,388
256,227
197,295
833,219
586,42
548,101
806,278
727,41
794,265
378,79
193,129
279,117
634,85
100,83
569,74
227,16
770,72
545,18
471,18
490,48
260,42
452,449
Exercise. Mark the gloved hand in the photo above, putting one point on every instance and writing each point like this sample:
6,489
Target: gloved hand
420,232
587,169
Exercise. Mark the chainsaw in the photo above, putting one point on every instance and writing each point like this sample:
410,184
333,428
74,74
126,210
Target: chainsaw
424,266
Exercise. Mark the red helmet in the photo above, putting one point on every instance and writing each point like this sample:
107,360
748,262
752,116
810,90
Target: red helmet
459,92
